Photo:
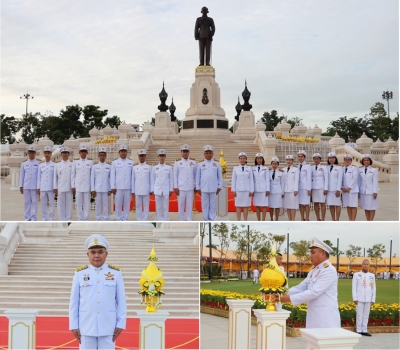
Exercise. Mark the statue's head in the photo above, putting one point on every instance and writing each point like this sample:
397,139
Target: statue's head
204,10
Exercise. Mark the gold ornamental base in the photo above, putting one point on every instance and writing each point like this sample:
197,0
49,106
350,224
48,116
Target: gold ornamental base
271,307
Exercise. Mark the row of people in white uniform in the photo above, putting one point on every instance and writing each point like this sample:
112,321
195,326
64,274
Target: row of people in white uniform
385,275
293,187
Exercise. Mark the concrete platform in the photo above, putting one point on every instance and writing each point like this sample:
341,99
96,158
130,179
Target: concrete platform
214,335
12,204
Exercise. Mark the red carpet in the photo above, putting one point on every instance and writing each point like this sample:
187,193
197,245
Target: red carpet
53,333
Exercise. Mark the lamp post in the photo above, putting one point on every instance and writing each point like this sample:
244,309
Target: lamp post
387,95
364,250
287,255
337,255
248,251
210,246
26,97
390,258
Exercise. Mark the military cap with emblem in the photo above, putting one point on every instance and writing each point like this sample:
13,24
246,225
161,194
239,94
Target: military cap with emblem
47,149
302,152
102,149
208,148
275,159
65,149
96,240
161,151
316,155
318,243
289,156
242,154
122,148
347,156
259,155
31,148
331,154
185,147
83,147
141,151
366,156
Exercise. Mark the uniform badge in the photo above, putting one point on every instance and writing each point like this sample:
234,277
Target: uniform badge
109,276
86,277
214,164
326,265
203,165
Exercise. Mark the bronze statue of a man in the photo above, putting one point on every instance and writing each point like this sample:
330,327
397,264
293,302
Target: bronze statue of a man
204,32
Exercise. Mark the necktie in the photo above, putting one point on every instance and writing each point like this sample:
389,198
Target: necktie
345,170
288,168
301,165
331,168
273,175
258,168
365,170
316,167
242,168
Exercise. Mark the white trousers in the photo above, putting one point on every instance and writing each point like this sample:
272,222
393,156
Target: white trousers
105,342
47,196
64,204
209,205
142,207
362,311
122,198
162,207
82,205
30,204
255,279
185,204
101,206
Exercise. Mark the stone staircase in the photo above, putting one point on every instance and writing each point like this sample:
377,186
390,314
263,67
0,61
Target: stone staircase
40,274
230,148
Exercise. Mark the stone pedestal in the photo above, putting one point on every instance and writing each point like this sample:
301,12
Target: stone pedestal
186,232
302,130
163,129
284,128
73,144
123,129
336,142
44,141
271,329
392,159
111,213
246,128
205,116
364,143
239,325
222,208
14,162
21,328
329,338
317,131
269,145
152,329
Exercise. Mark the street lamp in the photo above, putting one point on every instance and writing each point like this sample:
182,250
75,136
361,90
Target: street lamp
387,95
390,259
287,255
337,255
364,250
210,246
26,97
248,251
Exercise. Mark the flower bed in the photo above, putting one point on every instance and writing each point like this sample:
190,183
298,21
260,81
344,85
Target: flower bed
380,314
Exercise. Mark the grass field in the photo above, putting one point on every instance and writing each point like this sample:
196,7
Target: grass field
387,291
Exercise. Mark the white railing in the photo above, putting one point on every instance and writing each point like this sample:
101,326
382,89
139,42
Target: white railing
10,237
284,148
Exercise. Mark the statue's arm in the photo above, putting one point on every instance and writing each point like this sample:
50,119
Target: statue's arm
196,29
212,27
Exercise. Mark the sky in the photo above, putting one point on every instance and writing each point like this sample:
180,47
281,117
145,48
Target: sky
358,234
315,60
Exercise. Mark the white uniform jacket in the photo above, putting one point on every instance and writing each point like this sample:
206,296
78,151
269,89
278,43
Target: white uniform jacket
368,182
242,180
121,174
364,287
97,305
45,176
320,291
277,185
305,175
335,178
209,176
261,179
100,177
80,177
162,182
350,178
319,178
291,179
185,174
28,174
62,176
141,182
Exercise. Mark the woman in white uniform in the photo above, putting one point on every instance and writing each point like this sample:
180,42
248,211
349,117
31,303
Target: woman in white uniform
242,186
335,175
304,186
350,187
368,184
277,189
261,186
291,179
319,185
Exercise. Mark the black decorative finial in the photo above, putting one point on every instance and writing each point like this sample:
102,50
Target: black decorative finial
238,108
246,97
172,110
163,97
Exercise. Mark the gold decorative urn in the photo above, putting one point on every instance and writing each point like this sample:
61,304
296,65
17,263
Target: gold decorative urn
151,281
223,164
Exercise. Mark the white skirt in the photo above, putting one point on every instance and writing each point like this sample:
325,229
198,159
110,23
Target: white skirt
260,199
332,200
275,200
367,202
303,197
242,199
350,200
290,201
318,195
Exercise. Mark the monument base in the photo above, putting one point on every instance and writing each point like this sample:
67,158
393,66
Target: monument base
328,338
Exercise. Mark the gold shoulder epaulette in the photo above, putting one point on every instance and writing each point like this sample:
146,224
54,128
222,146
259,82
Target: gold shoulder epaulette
90,158
57,161
326,265
80,268
192,158
114,267
178,159
39,159
77,158
43,161
25,160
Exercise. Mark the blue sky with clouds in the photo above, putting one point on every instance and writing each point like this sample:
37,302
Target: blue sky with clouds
316,60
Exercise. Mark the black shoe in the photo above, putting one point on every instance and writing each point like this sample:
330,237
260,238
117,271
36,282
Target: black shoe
360,333
367,334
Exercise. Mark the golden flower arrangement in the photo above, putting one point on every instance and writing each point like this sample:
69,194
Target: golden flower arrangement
106,140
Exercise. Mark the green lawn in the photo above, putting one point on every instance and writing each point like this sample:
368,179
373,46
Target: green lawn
387,291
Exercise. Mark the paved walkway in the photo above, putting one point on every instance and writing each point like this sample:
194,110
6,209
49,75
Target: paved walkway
12,204
214,335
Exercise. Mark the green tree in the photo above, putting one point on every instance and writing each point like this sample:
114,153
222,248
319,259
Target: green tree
93,117
334,253
221,231
380,122
113,121
9,127
376,253
30,127
279,239
70,121
300,250
271,120
352,253
350,127
294,121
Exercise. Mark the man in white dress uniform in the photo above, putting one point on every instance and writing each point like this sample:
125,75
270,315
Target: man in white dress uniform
209,183
185,182
319,290
80,182
45,187
97,308
28,184
364,293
